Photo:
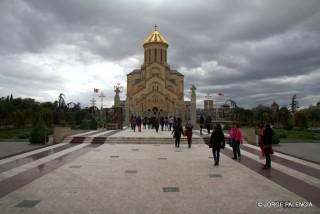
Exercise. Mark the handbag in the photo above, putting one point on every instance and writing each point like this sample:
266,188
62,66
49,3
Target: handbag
232,142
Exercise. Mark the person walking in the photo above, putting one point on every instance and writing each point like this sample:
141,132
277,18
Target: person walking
235,140
134,123
149,122
260,141
131,121
156,123
177,131
166,123
201,124
144,122
170,123
217,142
139,122
188,133
208,123
162,123
267,145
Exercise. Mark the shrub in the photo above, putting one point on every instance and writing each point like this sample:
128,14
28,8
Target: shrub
39,133
85,124
93,124
275,138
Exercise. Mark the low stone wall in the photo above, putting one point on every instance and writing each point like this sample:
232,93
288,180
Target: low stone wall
249,134
59,133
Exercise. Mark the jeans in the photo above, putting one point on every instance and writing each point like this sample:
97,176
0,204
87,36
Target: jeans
268,160
208,128
216,153
236,150
177,141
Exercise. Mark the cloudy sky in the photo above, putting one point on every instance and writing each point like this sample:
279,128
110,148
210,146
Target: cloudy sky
252,51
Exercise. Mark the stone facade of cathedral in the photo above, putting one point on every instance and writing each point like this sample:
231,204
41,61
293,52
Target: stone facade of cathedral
155,89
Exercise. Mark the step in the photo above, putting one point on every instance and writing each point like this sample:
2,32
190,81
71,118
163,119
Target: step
98,140
77,139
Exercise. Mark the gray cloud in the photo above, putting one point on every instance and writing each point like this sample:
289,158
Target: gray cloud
244,49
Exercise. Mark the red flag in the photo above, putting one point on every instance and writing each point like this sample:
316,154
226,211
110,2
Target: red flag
95,90
220,94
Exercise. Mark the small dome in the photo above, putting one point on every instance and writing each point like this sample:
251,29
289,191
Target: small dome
155,38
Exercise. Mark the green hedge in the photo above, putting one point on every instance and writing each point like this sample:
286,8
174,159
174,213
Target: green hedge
39,133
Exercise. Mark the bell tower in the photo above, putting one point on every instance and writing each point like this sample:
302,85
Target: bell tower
155,48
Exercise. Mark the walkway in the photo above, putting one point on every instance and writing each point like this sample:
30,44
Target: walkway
153,178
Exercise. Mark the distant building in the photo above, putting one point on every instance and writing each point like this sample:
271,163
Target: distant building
208,105
274,107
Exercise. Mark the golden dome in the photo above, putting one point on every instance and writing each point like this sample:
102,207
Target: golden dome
155,37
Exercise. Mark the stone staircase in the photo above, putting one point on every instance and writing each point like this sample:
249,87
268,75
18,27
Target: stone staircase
122,140
99,140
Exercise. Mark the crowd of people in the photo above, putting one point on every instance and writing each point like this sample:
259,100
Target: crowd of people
217,139
165,123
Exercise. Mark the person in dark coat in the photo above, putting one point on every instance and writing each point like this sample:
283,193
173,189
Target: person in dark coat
156,123
134,123
267,145
201,124
177,131
144,122
208,123
217,142
162,123
188,133
139,122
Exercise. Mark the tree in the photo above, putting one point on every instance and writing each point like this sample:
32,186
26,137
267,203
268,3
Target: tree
300,120
47,115
11,98
294,104
61,101
262,114
285,118
18,119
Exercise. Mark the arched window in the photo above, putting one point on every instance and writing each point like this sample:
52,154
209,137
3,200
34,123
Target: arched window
155,54
149,55
160,55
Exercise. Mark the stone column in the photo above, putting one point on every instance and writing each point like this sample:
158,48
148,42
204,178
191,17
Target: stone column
127,112
193,106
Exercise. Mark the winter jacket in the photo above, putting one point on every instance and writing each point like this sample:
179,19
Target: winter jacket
217,139
236,135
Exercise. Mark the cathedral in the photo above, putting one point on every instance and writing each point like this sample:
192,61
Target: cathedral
155,89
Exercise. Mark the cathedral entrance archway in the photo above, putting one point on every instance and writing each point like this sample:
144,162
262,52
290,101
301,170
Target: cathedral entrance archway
155,110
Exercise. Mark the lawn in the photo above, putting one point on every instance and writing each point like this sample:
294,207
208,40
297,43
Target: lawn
297,134
14,133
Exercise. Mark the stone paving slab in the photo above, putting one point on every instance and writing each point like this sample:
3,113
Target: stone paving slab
101,185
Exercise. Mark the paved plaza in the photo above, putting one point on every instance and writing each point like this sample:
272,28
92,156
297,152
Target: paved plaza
153,178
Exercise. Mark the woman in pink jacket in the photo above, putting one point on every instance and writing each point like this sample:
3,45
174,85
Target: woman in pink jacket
236,137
